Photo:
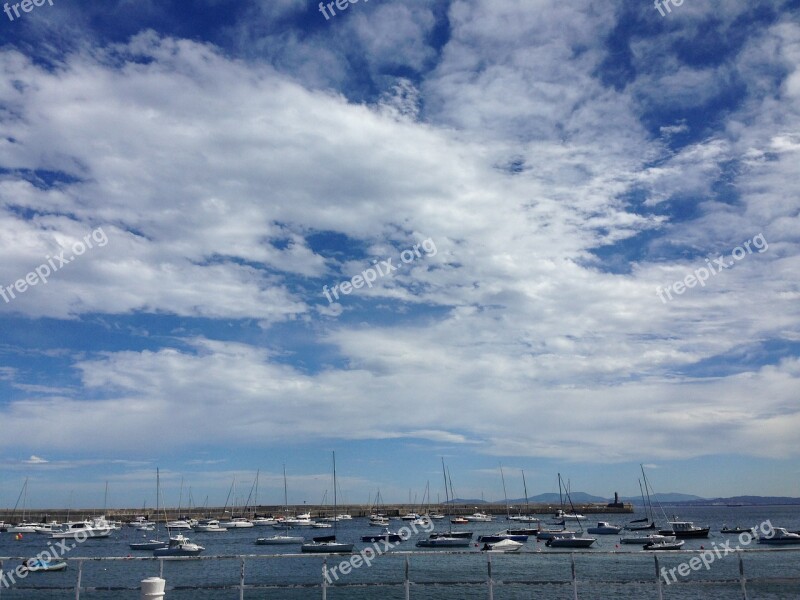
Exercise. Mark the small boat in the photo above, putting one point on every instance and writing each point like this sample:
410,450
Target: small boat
47,528
328,545
149,545
524,518
604,528
435,515
387,535
736,529
685,529
456,534
83,529
263,521
459,521
646,539
479,517
379,521
38,565
499,537
504,546
664,545
209,526
780,537
529,531
570,540
23,528
445,541
278,540
322,525
565,516
412,516
179,546
236,523
548,534
179,525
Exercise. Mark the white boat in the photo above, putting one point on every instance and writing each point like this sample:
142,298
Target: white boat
412,516
570,540
444,541
23,528
263,521
479,517
547,534
322,525
138,522
376,521
143,524
209,526
179,525
604,528
47,528
524,518
82,529
37,565
565,516
236,523
780,537
505,546
179,546
646,539
330,545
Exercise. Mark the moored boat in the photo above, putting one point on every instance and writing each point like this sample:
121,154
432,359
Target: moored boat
38,565
664,545
179,546
604,528
504,546
570,540
685,529
780,537
646,539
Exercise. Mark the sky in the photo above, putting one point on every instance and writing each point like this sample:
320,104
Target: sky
557,237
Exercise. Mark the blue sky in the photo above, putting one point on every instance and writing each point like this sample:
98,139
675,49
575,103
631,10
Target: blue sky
533,190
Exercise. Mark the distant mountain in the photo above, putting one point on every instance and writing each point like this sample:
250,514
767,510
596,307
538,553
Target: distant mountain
668,498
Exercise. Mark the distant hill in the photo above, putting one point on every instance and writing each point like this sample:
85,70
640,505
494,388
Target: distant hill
667,498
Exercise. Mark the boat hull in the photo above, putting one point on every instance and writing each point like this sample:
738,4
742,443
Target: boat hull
280,540
701,532
327,548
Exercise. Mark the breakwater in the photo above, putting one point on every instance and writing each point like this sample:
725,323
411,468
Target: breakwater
317,511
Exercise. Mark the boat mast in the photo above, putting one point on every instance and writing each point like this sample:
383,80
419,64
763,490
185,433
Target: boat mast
508,515
525,487
333,453
446,497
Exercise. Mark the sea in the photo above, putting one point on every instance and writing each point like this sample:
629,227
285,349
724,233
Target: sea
606,571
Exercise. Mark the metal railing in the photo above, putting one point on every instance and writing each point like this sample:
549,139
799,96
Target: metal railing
490,582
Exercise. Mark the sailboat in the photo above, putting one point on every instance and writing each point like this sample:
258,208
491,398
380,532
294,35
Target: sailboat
570,539
526,518
328,544
447,540
285,538
649,517
156,543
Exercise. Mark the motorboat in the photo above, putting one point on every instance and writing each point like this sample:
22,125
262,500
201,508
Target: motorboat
529,531
378,521
499,537
148,545
445,541
604,528
435,516
569,540
263,521
736,529
37,565
179,525
277,540
456,534
236,523
780,537
479,517
179,546
664,545
685,529
23,528
646,539
209,526
387,536
327,547
138,522
565,516
524,518
548,534
322,525
504,546
459,521
47,528
298,521
412,516
83,529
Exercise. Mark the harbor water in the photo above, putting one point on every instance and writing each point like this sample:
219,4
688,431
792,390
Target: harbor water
608,570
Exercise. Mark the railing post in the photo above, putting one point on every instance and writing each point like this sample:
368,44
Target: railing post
742,577
78,584
658,579
241,582
161,568
574,577
489,581
407,582
324,579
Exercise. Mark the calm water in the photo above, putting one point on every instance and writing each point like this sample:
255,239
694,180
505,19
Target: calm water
627,574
